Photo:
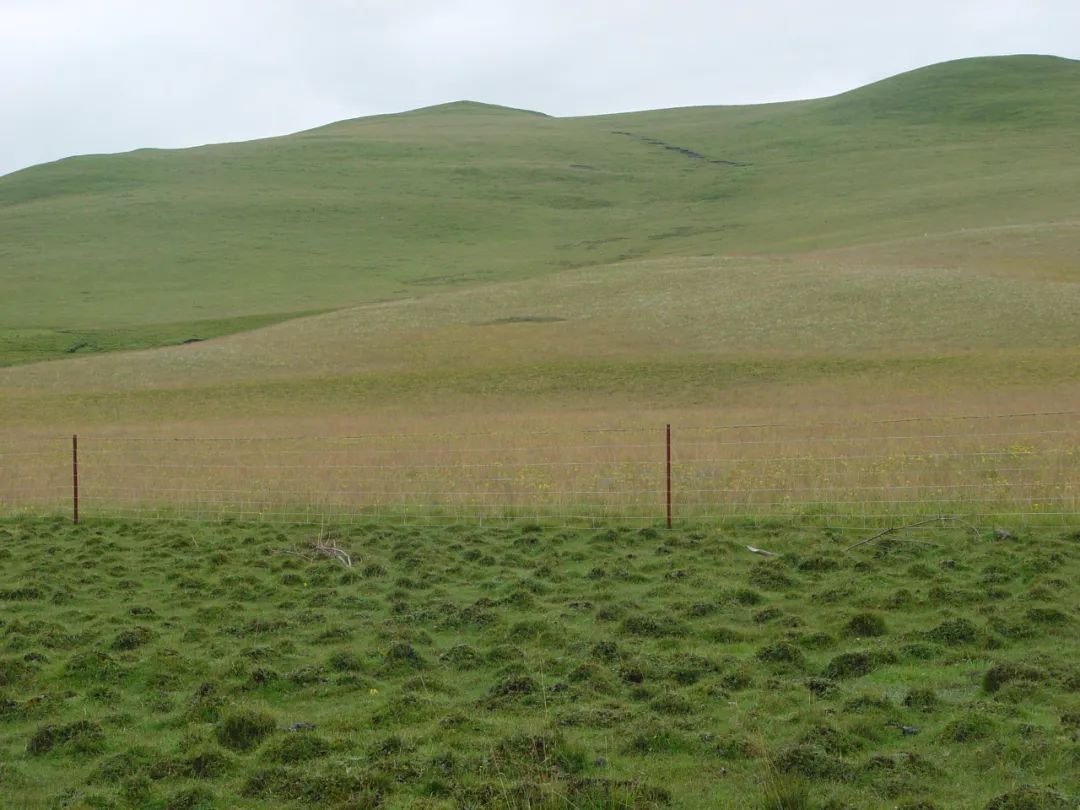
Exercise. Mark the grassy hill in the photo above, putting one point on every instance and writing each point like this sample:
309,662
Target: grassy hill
99,252
900,249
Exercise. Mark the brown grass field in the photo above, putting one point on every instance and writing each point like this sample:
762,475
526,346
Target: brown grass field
826,387
566,466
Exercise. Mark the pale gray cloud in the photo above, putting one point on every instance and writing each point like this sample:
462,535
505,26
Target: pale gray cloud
109,75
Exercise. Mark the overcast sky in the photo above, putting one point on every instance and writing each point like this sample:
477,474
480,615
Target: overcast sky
79,76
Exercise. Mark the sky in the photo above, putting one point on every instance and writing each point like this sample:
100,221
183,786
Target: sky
88,76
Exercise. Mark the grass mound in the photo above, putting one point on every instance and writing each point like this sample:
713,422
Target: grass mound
1028,797
244,729
80,737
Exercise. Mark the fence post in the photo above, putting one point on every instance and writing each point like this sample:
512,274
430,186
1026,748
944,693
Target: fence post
75,479
668,486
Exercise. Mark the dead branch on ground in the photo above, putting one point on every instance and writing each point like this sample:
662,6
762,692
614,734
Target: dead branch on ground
893,529
322,547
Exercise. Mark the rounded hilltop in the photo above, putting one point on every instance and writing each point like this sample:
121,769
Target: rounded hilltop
987,90
467,107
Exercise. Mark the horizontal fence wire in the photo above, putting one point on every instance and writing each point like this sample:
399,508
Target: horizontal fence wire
1017,467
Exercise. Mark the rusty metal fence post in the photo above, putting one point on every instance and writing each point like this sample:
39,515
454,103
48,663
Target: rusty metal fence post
667,488
75,479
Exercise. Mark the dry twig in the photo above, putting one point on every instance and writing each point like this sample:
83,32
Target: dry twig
328,550
322,548
894,529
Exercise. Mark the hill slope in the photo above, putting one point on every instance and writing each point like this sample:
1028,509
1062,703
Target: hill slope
402,206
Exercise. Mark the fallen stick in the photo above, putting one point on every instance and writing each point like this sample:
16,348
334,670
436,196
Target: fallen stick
894,529
339,554
324,550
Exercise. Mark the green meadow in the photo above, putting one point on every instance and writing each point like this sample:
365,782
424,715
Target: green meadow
907,247
179,665
466,195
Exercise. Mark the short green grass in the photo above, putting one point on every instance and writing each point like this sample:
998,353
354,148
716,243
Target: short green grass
21,346
464,194
908,247
185,665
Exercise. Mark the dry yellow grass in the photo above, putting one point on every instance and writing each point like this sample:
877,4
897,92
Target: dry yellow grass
548,396
562,465
808,308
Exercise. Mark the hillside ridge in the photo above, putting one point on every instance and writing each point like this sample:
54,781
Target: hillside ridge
464,194
955,75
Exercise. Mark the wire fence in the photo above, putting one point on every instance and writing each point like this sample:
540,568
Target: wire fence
1011,467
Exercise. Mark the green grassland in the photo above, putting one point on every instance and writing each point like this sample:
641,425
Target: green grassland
180,665
684,332
467,195
30,345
